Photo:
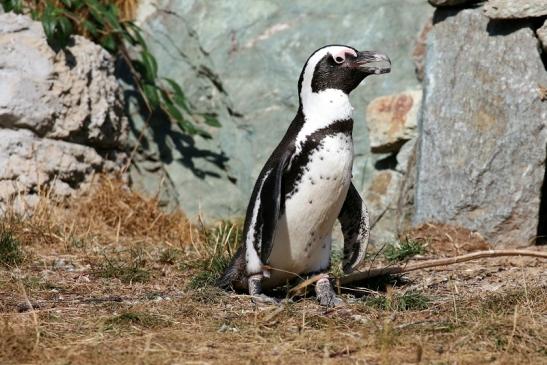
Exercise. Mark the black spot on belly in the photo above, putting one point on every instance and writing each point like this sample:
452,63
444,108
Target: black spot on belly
309,201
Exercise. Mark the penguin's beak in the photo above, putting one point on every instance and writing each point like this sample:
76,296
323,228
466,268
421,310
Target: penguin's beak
371,62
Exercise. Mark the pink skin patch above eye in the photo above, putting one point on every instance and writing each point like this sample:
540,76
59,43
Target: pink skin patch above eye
342,51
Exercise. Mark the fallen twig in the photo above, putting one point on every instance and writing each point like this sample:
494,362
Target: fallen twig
399,269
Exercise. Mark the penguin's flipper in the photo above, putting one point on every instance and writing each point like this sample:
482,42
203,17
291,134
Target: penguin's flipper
355,226
271,200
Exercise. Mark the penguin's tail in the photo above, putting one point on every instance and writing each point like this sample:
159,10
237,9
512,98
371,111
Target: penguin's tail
235,271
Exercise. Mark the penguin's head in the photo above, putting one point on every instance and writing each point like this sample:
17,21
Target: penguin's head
340,68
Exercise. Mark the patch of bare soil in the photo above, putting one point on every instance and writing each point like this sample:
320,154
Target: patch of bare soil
88,290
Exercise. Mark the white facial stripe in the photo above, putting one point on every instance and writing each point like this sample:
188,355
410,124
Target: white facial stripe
322,108
314,60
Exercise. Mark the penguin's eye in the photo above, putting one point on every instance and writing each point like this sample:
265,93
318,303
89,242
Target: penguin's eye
339,59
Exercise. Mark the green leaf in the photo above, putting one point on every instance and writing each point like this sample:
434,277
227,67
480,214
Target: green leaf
171,109
109,43
49,23
90,27
110,13
193,130
150,64
134,34
151,94
14,5
178,94
65,27
211,120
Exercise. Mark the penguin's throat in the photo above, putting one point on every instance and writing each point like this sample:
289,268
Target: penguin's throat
322,109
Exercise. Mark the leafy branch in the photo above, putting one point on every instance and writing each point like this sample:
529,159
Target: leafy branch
102,22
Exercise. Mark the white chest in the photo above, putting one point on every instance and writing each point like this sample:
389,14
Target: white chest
303,238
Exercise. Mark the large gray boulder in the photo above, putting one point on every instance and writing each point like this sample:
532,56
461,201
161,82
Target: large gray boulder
246,68
61,113
481,157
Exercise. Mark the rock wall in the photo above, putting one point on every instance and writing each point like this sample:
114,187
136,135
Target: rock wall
242,59
479,158
483,133
61,114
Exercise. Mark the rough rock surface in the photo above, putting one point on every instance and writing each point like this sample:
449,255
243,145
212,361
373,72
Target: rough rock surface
381,198
406,200
61,114
392,120
70,95
246,70
31,165
405,155
483,134
511,9
451,2
418,54
542,35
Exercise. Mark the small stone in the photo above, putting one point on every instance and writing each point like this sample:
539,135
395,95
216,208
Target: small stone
438,3
27,306
515,9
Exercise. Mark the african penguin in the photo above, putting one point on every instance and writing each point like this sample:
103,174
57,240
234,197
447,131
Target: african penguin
306,184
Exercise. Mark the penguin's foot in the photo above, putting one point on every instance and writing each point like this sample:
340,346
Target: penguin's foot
325,293
263,299
255,291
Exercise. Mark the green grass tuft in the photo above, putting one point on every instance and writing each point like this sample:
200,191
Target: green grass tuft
209,272
410,300
127,269
403,250
169,256
135,318
219,244
336,264
10,249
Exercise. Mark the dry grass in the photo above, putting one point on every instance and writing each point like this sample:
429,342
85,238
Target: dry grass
110,278
127,8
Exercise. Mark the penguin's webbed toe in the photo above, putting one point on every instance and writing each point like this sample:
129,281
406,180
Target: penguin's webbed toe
326,295
263,299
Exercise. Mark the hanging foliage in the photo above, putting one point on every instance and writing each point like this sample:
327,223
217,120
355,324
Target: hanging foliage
109,24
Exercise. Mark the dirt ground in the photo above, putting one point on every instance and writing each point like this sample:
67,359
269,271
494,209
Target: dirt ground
112,280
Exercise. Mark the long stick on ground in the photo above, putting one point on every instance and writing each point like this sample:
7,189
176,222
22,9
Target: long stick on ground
399,269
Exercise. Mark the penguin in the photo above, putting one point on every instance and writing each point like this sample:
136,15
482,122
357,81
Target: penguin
305,185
